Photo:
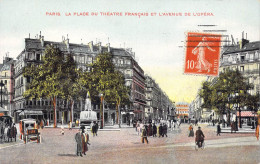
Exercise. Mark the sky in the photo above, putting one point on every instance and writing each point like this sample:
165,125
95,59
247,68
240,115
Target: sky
156,40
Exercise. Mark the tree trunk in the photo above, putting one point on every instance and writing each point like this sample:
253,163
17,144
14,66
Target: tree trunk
54,113
71,110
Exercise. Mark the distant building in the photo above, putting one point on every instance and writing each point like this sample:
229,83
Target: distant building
6,78
182,110
158,105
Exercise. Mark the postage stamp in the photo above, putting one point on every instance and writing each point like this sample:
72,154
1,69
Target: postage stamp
202,54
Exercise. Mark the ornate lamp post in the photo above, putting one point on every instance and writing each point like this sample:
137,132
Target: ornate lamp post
1,85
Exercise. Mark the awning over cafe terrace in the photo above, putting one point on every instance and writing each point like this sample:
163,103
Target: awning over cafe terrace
31,112
246,114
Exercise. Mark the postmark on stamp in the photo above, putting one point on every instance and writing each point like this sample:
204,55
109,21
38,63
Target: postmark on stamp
202,54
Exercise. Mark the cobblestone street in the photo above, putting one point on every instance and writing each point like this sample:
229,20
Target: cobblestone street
125,147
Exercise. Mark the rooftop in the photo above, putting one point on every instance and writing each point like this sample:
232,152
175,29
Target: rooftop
247,47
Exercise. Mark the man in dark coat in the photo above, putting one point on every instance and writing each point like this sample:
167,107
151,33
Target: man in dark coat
164,130
160,130
96,128
78,138
144,135
199,137
150,129
13,132
154,130
218,129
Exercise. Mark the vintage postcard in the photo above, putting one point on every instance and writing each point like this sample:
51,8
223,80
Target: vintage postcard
110,81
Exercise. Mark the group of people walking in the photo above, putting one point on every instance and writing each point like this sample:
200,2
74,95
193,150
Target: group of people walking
8,132
147,130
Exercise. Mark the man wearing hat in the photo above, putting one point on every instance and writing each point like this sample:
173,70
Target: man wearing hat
199,137
144,135
78,138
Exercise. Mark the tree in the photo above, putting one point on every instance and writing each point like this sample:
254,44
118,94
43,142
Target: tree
47,79
70,82
104,78
228,89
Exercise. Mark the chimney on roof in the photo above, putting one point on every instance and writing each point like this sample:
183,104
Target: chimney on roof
67,42
108,47
42,40
243,42
29,35
99,46
90,44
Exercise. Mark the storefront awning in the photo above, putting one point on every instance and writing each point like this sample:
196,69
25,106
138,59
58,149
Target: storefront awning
246,114
30,112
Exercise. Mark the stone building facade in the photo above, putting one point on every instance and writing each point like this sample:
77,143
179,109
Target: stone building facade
124,60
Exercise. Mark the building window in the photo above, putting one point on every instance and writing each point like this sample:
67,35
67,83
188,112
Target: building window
38,56
242,68
242,58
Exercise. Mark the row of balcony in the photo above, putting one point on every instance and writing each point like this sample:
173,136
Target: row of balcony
240,61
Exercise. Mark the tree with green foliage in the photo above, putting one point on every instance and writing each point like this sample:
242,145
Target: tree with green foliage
52,79
223,92
103,78
70,82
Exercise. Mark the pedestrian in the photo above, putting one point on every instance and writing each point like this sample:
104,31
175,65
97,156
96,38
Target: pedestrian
191,132
233,127
78,138
6,132
218,130
9,133
165,130
150,130
136,126
91,127
13,132
144,135
96,128
85,138
257,132
62,130
42,124
154,130
2,130
70,125
160,130
196,122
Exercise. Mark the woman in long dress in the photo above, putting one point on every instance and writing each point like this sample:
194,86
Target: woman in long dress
202,63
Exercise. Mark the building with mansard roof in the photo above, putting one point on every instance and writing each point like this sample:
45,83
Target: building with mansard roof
124,60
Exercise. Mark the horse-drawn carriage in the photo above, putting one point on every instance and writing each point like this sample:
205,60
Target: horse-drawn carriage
29,131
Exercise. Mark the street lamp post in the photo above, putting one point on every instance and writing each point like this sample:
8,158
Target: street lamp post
2,84
102,111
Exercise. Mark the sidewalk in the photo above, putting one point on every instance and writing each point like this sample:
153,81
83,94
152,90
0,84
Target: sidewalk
106,128
225,142
244,129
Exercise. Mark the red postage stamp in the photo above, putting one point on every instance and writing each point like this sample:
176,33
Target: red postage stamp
202,54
